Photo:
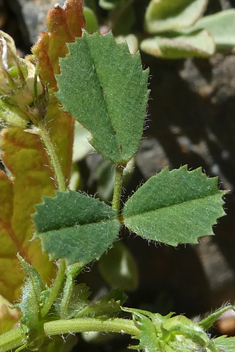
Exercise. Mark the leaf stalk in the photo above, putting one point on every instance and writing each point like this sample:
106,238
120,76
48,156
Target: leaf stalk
117,192
55,287
43,133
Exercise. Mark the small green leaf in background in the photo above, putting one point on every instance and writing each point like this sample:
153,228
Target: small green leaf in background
91,20
81,146
199,44
75,227
118,267
109,4
173,207
162,16
104,87
221,27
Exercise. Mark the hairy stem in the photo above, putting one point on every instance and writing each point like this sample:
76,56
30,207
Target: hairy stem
17,337
55,288
43,133
117,192
123,326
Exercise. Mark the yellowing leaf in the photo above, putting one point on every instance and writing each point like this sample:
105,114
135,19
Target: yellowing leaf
25,157
64,24
8,316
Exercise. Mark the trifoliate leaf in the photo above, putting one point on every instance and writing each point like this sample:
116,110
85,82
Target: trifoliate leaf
104,87
162,16
75,227
175,207
196,44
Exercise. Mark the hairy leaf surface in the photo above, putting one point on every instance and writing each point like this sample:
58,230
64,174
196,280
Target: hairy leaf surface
225,344
75,227
104,87
106,306
175,207
162,16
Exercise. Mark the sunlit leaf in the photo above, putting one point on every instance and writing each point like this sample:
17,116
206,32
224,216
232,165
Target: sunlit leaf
199,44
173,207
107,95
221,27
75,227
162,16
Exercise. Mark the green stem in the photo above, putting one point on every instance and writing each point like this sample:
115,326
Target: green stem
117,192
17,337
58,327
13,338
43,133
55,288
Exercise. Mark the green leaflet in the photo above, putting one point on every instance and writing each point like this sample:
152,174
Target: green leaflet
225,344
162,16
169,334
175,207
195,44
74,299
209,321
75,227
106,306
104,87
30,303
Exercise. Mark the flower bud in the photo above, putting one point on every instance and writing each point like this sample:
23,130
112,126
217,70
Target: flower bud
17,76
